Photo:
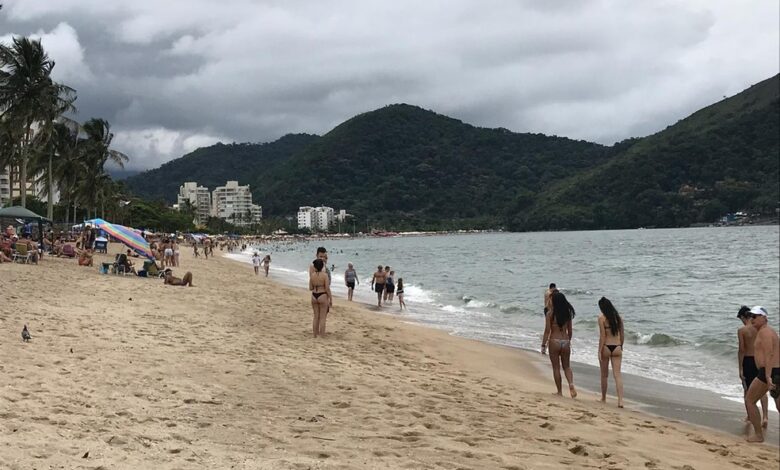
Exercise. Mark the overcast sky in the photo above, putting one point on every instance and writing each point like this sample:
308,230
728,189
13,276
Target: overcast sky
174,75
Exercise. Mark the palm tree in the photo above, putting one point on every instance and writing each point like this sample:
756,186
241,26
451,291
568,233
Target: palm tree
96,153
28,95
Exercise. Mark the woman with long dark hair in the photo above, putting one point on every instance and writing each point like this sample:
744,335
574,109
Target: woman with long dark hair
558,333
610,347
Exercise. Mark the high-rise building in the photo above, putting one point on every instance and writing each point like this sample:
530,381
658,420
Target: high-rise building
199,198
234,204
315,218
35,187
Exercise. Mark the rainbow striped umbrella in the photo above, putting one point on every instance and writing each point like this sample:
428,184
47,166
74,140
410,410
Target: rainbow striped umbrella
126,235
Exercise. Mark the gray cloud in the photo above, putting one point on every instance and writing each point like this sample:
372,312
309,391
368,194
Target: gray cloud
172,76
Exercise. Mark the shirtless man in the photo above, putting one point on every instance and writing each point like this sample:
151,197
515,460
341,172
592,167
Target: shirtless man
378,284
767,354
745,357
175,281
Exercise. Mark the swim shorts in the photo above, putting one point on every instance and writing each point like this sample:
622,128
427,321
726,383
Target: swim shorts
749,370
351,285
379,287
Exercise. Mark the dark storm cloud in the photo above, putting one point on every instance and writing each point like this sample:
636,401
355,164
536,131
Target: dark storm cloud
172,76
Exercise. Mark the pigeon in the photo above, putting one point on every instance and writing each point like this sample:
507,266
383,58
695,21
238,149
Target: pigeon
26,334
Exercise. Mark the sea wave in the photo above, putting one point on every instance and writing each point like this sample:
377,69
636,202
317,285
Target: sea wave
655,339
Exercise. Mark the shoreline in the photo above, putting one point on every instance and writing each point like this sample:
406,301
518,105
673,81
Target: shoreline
691,405
124,372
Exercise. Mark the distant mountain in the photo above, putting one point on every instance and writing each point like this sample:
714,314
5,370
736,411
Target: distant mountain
119,174
722,158
403,167
214,165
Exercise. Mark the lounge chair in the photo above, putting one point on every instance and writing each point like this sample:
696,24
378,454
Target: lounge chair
22,254
151,269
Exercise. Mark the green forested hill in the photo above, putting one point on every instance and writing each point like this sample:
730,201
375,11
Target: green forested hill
213,166
720,159
403,167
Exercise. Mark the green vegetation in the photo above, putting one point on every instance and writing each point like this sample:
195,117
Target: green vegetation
213,166
723,158
405,168
37,138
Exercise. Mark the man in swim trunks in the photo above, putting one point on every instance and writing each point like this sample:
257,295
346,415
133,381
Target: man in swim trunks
767,354
745,357
378,284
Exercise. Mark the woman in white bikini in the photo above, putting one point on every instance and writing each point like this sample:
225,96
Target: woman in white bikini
319,285
558,332
610,347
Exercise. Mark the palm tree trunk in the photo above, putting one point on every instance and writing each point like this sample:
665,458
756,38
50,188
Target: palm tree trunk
67,212
23,171
50,199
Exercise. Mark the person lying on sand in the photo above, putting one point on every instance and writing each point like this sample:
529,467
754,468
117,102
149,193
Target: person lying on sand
171,280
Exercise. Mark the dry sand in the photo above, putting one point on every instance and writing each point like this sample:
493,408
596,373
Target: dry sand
123,372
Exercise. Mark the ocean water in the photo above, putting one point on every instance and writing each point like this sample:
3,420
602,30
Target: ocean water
678,290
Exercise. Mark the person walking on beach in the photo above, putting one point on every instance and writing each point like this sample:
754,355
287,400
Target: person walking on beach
400,294
256,263
558,332
350,279
610,348
767,354
746,360
319,285
378,284
266,264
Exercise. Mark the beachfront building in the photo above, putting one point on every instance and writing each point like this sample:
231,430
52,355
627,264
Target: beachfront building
315,218
198,197
35,187
233,203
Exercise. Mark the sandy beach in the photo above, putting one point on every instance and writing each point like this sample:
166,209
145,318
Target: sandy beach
124,372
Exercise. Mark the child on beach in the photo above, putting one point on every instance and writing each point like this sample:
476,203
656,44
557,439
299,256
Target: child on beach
400,294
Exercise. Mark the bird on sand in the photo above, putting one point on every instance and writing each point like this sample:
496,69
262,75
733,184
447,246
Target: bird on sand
26,334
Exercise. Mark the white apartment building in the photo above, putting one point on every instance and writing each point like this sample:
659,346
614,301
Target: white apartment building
36,187
315,218
234,204
200,199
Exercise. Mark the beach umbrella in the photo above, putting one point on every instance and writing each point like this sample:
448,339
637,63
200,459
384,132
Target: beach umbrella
126,235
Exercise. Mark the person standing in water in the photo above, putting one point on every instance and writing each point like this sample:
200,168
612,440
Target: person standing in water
610,348
767,354
558,332
389,285
400,294
746,360
350,279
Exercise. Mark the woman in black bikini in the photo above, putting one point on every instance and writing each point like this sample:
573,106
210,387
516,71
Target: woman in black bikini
558,330
319,285
610,347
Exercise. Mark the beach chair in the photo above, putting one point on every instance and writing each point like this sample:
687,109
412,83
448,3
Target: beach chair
22,254
151,269
101,246
67,250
